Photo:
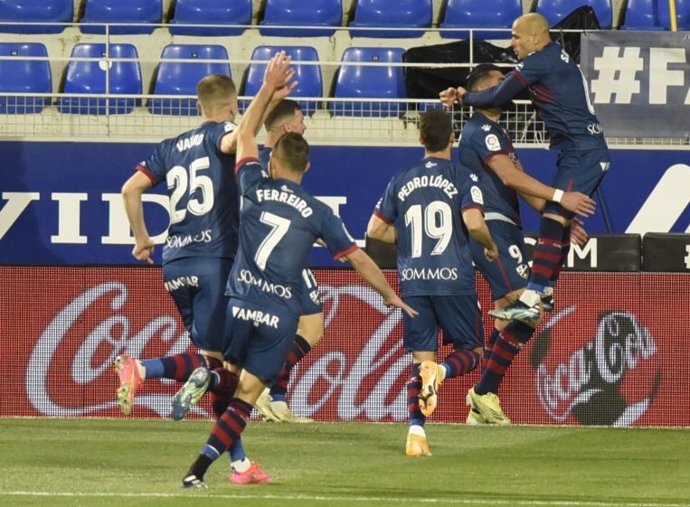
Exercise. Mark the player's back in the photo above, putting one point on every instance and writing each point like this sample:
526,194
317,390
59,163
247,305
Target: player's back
280,222
204,201
425,203
559,92
481,140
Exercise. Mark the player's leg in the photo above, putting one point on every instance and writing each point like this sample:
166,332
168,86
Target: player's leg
272,404
197,288
577,170
419,338
260,349
461,320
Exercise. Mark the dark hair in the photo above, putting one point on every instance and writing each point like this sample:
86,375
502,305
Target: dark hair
215,90
293,151
281,113
479,74
435,129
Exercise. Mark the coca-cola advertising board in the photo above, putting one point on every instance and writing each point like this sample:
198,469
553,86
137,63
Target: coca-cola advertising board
613,352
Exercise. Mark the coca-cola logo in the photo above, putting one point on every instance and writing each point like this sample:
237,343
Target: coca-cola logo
589,383
363,377
78,348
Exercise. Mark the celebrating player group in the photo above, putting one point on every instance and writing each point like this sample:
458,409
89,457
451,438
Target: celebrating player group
242,227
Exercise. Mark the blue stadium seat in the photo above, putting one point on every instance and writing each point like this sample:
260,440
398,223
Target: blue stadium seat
121,11
35,11
211,12
384,13
89,77
480,14
359,81
654,15
310,82
181,78
555,10
24,76
311,13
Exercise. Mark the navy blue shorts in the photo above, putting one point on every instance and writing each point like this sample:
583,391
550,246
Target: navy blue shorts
310,298
510,271
259,338
459,317
197,285
581,171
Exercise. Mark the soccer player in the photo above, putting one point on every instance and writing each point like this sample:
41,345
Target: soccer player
286,117
487,154
202,237
279,223
198,167
559,93
429,209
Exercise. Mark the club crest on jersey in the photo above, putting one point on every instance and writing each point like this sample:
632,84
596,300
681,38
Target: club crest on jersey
476,194
492,143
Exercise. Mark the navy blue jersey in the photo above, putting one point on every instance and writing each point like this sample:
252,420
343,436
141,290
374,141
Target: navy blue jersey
204,203
559,93
264,156
425,204
482,139
280,222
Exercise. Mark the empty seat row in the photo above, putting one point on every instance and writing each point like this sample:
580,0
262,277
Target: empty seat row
97,69
372,18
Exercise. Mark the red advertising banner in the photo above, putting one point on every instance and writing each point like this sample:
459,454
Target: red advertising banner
614,351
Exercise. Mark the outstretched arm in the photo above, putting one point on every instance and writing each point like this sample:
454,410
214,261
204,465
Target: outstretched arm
515,177
373,275
491,97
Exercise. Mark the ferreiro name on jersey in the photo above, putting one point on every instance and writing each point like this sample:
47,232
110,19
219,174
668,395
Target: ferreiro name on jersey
285,196
417,182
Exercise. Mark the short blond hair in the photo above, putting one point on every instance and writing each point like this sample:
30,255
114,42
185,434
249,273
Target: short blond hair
215,91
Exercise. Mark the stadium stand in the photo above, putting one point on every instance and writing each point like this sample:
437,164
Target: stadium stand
555,10
121,11
480,14
181,78
654,15
360,81
211,12
310,81
101,75
35,11
301,15
389,15
24,76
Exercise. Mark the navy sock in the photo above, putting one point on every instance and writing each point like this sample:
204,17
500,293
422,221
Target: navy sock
460,361
508,344
300,348
489,346
414,384
178,367
227,429
547,255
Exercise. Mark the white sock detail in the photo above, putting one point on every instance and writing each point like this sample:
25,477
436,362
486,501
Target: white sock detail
530,297
241,465
415,429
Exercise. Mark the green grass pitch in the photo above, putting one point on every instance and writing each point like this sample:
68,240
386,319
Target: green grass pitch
118,462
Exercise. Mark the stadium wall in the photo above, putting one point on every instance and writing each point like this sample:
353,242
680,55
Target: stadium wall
612,353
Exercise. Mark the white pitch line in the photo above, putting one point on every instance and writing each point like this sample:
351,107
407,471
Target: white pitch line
353,499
